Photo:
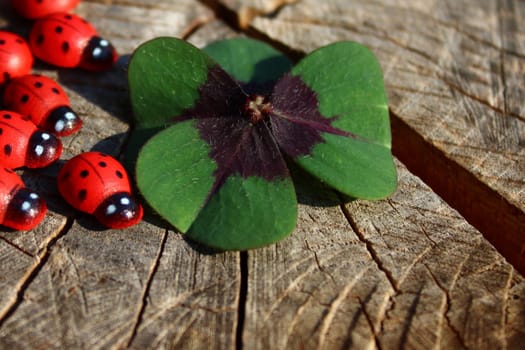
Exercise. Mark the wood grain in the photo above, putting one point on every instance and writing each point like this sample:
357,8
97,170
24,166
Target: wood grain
71,284
407,272
453,73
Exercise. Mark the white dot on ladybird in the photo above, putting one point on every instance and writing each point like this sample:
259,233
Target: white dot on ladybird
111,209
104,42
124,201
59,126
97,51
45,136
33,196
70,116
39,150
25,206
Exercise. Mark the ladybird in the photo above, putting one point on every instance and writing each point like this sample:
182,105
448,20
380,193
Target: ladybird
97,184
20,208
67,40
42,100
32,9
15,56
23,144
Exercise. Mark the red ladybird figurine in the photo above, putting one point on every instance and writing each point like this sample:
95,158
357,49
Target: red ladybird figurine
67,40
98,184
15,56
23,144
20,208
32,9
42,100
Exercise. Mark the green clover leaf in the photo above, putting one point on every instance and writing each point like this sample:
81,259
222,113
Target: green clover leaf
213,128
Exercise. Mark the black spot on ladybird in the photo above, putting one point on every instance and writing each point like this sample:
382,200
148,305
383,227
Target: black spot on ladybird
102,164
38,84
40,39
65,47
119,174
2,42
84,173
1,131
68,17
7,150
55,91
58,29
7,116
24,98
82,194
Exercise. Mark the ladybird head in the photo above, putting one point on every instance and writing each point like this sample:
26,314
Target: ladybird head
43,149
99,55
119,211
62,121
25,210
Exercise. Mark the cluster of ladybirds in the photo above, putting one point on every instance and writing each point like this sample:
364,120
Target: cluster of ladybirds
36,112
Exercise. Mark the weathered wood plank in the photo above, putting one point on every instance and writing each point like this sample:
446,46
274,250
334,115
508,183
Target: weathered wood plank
407,272
453,72
70,284
87,274
193,300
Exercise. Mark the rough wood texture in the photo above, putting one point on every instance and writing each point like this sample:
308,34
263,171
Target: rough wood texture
454,74
407,272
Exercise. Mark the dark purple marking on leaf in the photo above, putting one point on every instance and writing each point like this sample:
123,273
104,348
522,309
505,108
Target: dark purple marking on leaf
238,145
295,119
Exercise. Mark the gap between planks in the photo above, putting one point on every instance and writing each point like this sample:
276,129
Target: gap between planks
500,222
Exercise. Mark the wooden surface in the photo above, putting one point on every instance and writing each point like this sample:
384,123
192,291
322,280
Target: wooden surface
454,74
407,272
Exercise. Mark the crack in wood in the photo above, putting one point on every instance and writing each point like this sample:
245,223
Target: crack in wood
412,308
18,248
333,307
362,304
318,263
33,271
369,247
243,296
145,291
446,312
